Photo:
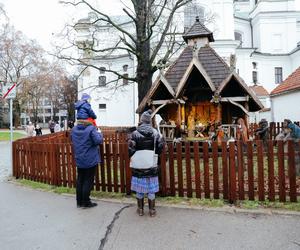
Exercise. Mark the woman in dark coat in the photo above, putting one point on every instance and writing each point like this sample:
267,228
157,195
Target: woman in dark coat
145,180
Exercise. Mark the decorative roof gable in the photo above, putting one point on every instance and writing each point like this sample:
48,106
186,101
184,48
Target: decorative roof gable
198,30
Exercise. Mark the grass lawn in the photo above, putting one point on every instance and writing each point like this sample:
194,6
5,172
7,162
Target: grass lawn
169,200
5,135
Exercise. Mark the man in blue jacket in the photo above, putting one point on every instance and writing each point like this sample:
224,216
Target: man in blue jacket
86,140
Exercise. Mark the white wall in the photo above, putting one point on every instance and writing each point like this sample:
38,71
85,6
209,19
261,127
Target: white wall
265,67
295,58
285,107
274,22
243,27
121,102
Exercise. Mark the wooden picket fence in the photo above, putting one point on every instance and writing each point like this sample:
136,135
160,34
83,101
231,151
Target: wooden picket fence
193,169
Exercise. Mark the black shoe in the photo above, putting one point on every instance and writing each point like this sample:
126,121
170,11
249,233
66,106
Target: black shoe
89,205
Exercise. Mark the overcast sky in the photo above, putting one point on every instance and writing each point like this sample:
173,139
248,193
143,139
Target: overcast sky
40,19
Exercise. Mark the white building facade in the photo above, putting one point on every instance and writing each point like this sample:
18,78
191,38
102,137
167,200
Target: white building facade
261,38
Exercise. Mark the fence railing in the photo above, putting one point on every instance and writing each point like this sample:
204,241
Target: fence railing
233,171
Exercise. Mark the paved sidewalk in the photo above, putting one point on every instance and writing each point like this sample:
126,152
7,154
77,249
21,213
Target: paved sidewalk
5,160
32,219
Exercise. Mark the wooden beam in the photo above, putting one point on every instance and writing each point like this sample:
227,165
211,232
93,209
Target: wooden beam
235,99
159,102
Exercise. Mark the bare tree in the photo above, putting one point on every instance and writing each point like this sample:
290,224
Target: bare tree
153,30
18,55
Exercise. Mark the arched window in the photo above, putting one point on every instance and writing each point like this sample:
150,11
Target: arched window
191,11
238,37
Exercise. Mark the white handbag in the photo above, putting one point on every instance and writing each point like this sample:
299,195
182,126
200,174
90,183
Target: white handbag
143,159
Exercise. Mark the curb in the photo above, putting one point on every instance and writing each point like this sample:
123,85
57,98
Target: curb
225,209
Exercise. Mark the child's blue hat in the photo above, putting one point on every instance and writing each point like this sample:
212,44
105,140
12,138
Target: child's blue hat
85,97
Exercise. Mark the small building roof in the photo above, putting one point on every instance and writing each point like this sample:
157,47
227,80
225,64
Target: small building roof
198,30
259,90
291,83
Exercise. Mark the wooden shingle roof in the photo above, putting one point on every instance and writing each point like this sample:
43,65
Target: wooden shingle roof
291,83
198,30
213,64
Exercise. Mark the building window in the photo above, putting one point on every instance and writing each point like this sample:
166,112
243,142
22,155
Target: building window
191,11
254,64
254,76
102,106
102,81
125,67
238,37
125,81
278,75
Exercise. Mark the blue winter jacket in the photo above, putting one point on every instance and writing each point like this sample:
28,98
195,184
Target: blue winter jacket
86,140
295,130
84,110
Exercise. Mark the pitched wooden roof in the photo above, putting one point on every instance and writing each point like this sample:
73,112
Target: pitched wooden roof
214,65
289,84
198,30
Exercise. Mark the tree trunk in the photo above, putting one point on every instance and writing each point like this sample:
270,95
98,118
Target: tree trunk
144,67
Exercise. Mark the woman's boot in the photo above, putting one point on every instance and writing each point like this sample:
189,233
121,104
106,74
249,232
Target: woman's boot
140,203
152,211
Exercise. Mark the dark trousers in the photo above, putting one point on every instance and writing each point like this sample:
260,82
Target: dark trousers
84,185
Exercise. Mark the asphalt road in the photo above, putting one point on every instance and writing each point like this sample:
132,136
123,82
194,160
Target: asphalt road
32,219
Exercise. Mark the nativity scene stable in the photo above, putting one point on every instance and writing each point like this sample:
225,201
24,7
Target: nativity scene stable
199,93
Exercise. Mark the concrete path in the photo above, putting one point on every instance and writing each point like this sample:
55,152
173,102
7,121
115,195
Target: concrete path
32,219
5,160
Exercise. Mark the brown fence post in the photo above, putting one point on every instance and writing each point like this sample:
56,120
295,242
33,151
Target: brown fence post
250,170
163,172
115,167
197,169
108,166
179,168
232,173
102,170
240,158
188,169
292,171
171,169
215,159
123,150
260,170
271,171
225,170
128,173
281,175
206,171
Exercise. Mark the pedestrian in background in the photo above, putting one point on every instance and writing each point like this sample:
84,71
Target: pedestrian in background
56,127
86,140
51,126
38,130
145,141
30,129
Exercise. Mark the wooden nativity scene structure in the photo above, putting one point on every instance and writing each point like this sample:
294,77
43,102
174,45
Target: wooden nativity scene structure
200,97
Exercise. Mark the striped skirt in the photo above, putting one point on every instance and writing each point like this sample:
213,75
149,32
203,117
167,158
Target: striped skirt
145,185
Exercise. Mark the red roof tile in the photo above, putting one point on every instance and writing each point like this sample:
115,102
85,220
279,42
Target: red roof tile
259,90
290,83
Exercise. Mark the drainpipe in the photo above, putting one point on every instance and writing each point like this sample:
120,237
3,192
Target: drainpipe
272,110
251,27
